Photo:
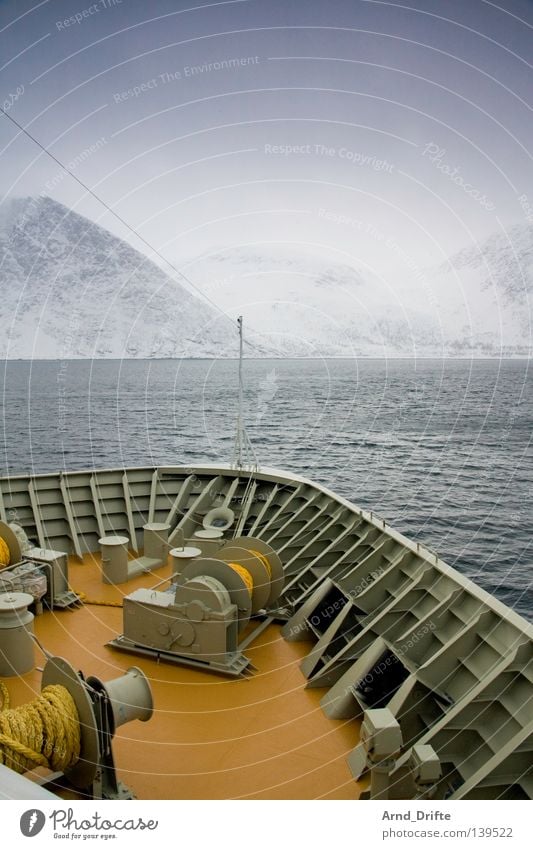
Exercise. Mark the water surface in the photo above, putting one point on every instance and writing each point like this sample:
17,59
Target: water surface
439,448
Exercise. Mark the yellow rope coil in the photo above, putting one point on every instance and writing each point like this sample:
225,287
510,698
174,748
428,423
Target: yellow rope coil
44,732
264,560
82,597
245,575
5,554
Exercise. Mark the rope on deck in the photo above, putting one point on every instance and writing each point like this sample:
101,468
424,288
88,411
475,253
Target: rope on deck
44,732
99,601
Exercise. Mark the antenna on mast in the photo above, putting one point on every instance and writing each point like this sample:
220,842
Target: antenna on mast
244,454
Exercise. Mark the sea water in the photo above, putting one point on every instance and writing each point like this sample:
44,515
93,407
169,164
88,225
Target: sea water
439,448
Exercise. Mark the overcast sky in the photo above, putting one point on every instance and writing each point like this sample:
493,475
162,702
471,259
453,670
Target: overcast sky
249,121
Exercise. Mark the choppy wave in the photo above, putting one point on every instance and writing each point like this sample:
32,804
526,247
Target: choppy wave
441,449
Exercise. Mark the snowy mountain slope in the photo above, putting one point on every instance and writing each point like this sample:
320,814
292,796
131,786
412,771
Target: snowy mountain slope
322,307
477,303
487,292
72,289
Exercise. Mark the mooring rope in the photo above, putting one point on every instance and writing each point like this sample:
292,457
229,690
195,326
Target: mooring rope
264,560
5,554
83,598
44,732
245,575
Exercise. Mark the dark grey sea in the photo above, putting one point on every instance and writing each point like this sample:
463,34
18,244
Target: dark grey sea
440,448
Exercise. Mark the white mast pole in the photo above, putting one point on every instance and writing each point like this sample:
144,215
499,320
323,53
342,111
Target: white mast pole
240,413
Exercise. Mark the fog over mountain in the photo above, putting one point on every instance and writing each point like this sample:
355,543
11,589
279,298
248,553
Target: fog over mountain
72,289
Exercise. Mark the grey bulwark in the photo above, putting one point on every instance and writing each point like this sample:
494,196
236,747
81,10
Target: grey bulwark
388,622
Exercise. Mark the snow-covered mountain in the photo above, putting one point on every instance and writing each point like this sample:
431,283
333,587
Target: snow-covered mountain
311,305
485,295
72,289
477,303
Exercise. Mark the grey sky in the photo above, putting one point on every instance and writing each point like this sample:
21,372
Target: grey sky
307,123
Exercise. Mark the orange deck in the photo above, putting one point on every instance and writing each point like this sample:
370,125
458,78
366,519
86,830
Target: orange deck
265,737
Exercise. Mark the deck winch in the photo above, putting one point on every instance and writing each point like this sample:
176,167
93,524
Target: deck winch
199,619
69,728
